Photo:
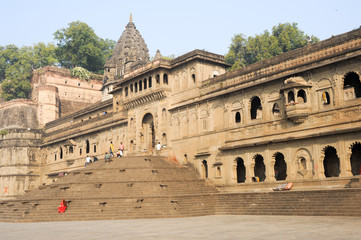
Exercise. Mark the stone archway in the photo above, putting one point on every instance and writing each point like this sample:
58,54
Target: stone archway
331,162
355,158
280,166
259,167
241,170
148,133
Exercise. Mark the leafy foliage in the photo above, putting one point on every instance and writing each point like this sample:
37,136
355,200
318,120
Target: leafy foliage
81,73
3,132
17,65
78,45
285,37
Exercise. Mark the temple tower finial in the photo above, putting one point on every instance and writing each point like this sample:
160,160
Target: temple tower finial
130,18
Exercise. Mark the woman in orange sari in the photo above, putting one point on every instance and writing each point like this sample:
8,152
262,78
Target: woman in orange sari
62,207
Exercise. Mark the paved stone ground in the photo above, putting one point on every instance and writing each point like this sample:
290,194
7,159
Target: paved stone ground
209,227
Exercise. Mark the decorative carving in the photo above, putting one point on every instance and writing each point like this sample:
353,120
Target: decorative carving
145,99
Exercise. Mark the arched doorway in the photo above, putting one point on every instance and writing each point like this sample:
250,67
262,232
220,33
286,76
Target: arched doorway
331,162
355,159
205,168
148,133
241,170
259,168
280,167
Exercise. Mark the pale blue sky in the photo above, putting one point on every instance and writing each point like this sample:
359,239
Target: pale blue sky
174,27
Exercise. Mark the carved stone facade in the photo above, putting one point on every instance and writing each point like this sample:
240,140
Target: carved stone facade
295,117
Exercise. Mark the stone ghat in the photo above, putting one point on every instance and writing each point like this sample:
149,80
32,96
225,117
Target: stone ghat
131,187
153,187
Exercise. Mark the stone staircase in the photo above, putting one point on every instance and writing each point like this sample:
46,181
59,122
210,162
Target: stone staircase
131,187
334,202
153,187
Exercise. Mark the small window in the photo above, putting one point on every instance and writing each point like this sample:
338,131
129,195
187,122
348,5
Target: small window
108,69
276,109
61,153
150,82
256,108
291,97
145,83
55,157
140,86
78,84
87,146
135,87
95,148
66,82
71,149
157,79
126,91
80,152
194,78
238,117
131,87
165,78
352,80
301,96
219,171
325,98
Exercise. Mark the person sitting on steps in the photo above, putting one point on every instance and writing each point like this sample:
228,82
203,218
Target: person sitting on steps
107,157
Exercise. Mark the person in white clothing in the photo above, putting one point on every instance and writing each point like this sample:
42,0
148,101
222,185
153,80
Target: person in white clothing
88,160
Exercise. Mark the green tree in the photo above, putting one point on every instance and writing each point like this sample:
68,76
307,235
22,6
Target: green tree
78,45
285,37
17,65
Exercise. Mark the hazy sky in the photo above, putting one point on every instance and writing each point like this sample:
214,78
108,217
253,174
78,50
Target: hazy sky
174,27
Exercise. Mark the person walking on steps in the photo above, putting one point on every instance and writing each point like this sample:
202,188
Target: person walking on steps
111,149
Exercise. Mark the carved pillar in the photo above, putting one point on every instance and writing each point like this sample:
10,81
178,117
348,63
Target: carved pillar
345,160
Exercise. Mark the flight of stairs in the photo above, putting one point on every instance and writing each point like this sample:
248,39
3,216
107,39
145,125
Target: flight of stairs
130,187
331,202
154,187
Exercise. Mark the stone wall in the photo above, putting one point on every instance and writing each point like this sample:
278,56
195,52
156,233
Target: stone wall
72,94
19,148
19,113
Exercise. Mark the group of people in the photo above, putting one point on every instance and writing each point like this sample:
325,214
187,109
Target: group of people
107,156
119,152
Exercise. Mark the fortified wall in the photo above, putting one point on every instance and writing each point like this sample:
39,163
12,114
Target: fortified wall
20,140
58,94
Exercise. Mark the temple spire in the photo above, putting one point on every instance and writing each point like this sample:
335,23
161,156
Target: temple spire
130,18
